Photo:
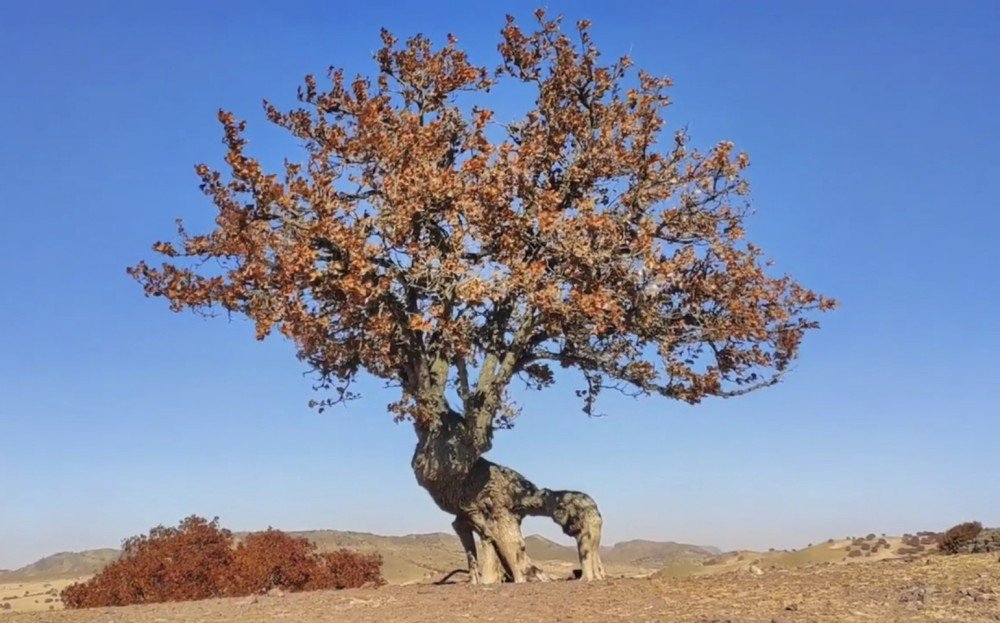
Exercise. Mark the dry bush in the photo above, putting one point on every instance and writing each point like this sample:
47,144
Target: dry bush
957,536
343,568
854,553
870,537
197,560
170,564
272,559
865,546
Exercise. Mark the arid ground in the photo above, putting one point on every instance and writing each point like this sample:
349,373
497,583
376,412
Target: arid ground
935,588
667,583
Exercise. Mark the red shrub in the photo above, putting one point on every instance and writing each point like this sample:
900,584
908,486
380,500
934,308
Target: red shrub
272,559
957,536
343,568
197,560
170,564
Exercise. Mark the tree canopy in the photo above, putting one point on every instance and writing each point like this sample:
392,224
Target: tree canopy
426,242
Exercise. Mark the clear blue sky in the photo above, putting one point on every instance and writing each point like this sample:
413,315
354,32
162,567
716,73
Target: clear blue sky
873,130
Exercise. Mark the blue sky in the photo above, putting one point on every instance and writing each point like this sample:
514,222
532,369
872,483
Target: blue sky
872,129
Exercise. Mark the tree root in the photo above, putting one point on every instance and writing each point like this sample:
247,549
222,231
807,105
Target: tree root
504,498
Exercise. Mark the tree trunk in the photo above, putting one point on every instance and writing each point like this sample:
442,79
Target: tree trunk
490,501
579,517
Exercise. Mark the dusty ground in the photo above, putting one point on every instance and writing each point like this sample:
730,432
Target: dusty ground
958,589
32,596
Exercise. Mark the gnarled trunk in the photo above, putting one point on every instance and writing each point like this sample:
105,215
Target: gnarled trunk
491,501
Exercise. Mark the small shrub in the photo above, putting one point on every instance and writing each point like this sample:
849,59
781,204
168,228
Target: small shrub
343,568
271,559
854,553
865,546
197,560
5,605
870,537
958,536
170,564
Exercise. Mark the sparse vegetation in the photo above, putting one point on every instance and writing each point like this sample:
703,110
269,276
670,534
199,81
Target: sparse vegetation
957,536
198,560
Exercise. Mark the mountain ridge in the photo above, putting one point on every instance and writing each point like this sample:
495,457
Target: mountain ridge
406,558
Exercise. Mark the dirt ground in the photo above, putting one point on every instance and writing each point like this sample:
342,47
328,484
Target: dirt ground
32,596
956,589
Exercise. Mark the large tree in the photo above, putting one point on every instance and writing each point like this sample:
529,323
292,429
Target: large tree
423,241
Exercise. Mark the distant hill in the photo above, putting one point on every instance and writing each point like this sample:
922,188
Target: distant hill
62,565
411,558
655,554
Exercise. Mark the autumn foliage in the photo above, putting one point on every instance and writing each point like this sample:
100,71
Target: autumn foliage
425,240
958,536
200,560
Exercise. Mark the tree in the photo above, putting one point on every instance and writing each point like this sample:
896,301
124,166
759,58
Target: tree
425,243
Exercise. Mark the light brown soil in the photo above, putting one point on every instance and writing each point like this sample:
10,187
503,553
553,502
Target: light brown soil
936,588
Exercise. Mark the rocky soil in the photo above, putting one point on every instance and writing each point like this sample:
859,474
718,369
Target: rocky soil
954,589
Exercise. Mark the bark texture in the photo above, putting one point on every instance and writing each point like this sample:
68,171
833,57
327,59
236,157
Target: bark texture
490,501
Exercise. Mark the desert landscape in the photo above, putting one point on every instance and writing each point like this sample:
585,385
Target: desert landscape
867,578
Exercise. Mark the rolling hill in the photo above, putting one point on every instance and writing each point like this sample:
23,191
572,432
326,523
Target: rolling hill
62,565
410,558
